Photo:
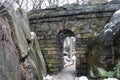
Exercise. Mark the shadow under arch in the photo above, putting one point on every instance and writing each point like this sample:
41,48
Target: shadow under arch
63,34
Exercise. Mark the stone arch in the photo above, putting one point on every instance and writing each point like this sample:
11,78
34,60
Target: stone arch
67,40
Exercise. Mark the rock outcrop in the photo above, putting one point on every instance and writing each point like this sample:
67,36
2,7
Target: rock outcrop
104,54
9,61
20,54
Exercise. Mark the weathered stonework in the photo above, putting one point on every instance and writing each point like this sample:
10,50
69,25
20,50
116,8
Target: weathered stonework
52,54
85,27
98,1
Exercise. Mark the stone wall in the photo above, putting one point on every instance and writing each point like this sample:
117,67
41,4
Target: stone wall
85,27
53,57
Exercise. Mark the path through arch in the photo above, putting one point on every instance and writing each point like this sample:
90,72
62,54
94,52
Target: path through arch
67,40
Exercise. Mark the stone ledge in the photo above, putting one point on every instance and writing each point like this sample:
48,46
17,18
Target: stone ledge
77,10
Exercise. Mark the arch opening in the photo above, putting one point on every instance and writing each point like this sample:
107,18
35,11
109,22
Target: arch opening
67,40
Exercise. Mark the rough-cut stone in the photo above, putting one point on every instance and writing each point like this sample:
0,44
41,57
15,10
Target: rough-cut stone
84,26
53,56
85,9
98,1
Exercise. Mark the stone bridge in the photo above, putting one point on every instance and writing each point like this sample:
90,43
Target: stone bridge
84,21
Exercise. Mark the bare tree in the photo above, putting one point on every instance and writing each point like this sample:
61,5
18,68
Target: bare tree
40,4
10,4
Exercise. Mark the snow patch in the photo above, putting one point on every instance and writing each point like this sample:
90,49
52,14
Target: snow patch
109,0
108,30
81,78
32,35
48,77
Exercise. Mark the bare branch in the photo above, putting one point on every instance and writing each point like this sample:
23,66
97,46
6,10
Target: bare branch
7,6
39,6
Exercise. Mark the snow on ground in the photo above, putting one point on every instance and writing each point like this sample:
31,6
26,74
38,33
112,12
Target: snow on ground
81,78
68,73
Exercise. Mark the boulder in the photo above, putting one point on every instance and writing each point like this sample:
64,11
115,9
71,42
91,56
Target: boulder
104,54
9,61
21,56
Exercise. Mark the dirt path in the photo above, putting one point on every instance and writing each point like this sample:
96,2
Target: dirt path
68,73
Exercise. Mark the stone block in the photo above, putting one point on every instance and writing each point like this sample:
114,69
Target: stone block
98,1
80,52
49,65
87,35
51,45
51,50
